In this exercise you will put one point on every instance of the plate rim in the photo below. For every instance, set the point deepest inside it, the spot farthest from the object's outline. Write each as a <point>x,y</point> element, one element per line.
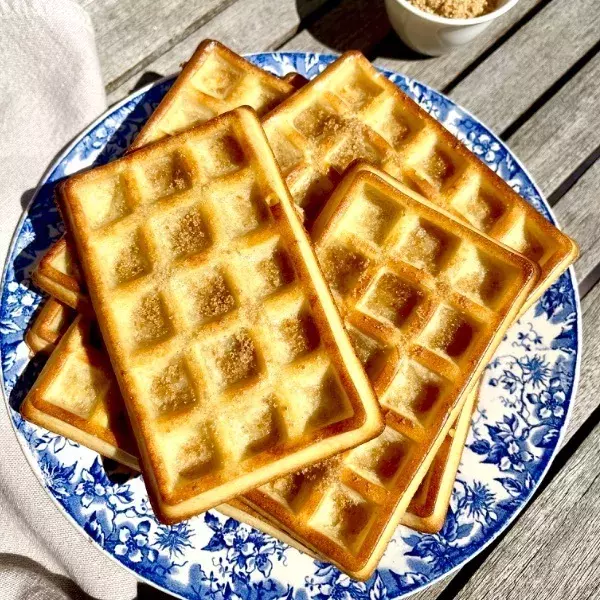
<point>320,56</point>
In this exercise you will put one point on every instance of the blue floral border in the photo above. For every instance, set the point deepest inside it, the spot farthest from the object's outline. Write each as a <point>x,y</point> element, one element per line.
<point>527,396</point>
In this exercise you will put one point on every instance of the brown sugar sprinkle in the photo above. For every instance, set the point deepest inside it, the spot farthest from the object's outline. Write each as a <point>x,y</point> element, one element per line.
<point>456,9</point>
<point>172,390</point>
<point>237,358</point>
<point>130,263</point>
<point>301,334</point>
<point>214,298</point>
<point>150,322</point>
<point>188,235</point>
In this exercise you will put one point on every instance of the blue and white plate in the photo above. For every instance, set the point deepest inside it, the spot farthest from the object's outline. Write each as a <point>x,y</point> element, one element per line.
<point>525,402</point>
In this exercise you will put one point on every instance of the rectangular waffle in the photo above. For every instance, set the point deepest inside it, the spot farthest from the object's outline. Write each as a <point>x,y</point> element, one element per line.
<point>352,111</point>
<point>214,80</point>
<point>426,299</point>
<point>48,327</point>
<point>232,359</point>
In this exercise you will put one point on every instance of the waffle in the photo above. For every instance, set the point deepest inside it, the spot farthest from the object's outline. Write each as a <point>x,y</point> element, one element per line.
<point>428,508</point>
<point>352,111</point>
<point>105,428</point>
<point>426,299</point>
<point>231,356</point>
<point>48,327</point>
<point>76,395</point>
<point>213,81</point>
<point>59,275</point>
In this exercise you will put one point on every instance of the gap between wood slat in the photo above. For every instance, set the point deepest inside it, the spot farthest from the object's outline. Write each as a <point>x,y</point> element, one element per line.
<point>496,44</point>
<point>264,27</point>
<point>550,92</point>
<point>162,48</point>
<point>570,181</point>
<point>561,136</point>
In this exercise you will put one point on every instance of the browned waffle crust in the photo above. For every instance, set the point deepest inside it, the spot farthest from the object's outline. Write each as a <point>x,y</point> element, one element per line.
<point>50,324</point>
<point>352,111</point>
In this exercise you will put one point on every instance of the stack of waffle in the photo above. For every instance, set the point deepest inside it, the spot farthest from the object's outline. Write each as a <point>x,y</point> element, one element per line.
<point>281,304</point>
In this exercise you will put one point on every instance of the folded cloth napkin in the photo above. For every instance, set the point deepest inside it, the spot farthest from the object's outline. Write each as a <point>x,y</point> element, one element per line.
<point>50,89</point>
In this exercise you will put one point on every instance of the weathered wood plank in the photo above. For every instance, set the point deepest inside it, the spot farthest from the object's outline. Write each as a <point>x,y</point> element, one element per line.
<point>578,213</point>
<point>130,33</point>
<point>351,25</point>
<point>506,84</point>
<point>511,82</point>
<point>553,552</point>
<point>246,26</point>
<point>566,130</point>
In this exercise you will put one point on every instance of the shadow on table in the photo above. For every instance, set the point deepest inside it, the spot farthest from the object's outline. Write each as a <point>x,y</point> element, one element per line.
<point>147,592</point>
<point>355,25</point>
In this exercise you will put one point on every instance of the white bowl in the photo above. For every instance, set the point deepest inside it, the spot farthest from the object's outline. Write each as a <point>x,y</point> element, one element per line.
<point>433,35</point>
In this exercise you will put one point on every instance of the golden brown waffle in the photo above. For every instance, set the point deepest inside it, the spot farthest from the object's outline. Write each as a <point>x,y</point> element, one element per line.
<point>48,327</point>
<point>231,356</point>
<point>69,286</point>
<point>76,395</point>
<point>215,80</point>
<point>59,275</point>
<point>352,111</point>
<point>426,300</point>
<point>428,508</point>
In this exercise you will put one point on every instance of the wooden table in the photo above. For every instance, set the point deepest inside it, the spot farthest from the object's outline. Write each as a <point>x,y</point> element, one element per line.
<point>533,77</point>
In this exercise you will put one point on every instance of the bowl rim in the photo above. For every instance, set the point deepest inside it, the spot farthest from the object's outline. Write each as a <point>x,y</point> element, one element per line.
<point>433,18</point>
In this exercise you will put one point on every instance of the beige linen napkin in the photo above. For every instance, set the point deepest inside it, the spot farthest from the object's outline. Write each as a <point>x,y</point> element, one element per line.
<point>50,89</point>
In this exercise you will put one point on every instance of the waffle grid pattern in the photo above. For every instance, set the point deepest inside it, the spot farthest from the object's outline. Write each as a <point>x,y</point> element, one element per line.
<point>214,80</point>
<point>351,112</point>
<point>425,299</point>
